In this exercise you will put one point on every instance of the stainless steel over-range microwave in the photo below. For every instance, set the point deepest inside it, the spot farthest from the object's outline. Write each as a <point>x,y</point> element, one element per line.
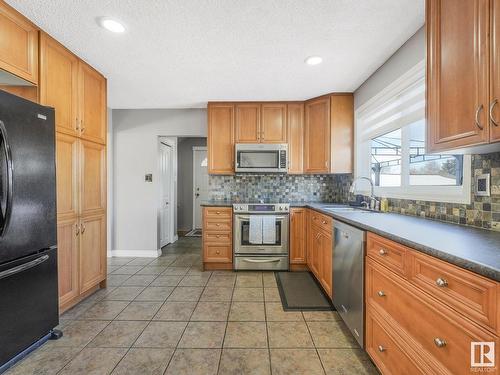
<point>257,157</point>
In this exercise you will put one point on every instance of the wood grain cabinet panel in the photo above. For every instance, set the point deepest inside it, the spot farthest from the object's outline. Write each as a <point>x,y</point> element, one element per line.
<point>457,73</point>
<point>92,258</point>
<point>217,253</point>
<point>295,120</point>
<point>495,72</point>
<point>18,44</point>
<point>68,232</point>
<point>317,136</point>
<point>326,255</point>
<point>92,177</point>
<point>273,128</point>
<point>342,133</point>
<point>247,123</point>
<point>298,230</point>
<point>217,237</point>
<point>92,99</point>
<point>389,253</point>
<point>220,138</point>
<point>59,84</point>
<point>67,175</point>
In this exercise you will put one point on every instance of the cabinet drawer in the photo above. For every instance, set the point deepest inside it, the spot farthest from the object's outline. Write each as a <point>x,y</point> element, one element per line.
<point>441,332</point>
<point>217,253</point>
<point>218,225</point>
<point>218,212</point>
<point>470,294</point>
<point>322,221</point>
<point>389,253</point>
<point>217,237</point>
<point>385,351</point>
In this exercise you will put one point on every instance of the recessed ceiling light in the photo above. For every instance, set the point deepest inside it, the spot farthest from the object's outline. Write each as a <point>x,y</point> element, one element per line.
<point>111,25</point>
<point>314,60</point>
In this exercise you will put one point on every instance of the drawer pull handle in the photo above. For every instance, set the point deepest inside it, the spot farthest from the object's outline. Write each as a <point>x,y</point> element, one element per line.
<point>440,282</point>
<point>381,348</point>
<point>440,343</point>
<point>382,252</point>
<point>381,293</point>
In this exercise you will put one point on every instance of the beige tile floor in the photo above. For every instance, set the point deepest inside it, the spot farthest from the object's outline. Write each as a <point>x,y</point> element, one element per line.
<point>166,316</point>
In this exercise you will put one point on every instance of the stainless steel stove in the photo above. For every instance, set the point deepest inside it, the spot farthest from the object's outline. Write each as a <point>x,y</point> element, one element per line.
<point>260,256</point>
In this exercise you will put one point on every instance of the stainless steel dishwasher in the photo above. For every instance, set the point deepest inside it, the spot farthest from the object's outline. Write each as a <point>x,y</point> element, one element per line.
<point>348,277</point>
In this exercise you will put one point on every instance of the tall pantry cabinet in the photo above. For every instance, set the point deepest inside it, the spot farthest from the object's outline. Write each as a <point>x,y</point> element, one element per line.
<point>78,94</point>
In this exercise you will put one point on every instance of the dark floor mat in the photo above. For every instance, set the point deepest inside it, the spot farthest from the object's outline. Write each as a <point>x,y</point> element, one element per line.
<point>300,291</point>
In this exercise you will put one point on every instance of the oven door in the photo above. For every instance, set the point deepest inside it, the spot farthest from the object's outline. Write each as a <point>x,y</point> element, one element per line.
<point>242,244</point>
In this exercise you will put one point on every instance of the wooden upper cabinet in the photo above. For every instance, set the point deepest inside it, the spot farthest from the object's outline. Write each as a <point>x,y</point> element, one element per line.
<point>92,178</point>
<point>295,119</point>
<point>342,133</point>
<point>59,83</point>
<point>317,136</point>
<point>220,138</point>
<point>247,123</point>
<point>92,260</point>
<point>18,44</point>
<point>495,72</point>
<point>457,73</point>
<point>298,230</point>
<point>67,156</point>
<point>273,127</point>
<point>92,98</point>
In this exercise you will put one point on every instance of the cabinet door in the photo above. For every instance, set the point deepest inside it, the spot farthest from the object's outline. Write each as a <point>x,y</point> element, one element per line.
<point>68,232</point>
<point>326,263</point>
<point>342,133</point>
<point>273,125</point>
<point>59,83</point>
<point>67,175</point>
<point>298,231</point>
<point>248,123</point>
<point>92,251</point>
<point>92,177</point>
<point>457,73</point>
<point>317,136</point>
<point>295,119</point>
<point>92,99</point>
<point>220,139</point>
<point>18,44</point>
<point>495,72</point>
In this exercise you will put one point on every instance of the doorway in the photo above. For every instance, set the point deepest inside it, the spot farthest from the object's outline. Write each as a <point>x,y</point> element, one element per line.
<point>166,192</point>
<point>200,184</point>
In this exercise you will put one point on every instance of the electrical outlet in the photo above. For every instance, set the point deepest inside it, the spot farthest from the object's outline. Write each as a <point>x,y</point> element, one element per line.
<point>482,185</point>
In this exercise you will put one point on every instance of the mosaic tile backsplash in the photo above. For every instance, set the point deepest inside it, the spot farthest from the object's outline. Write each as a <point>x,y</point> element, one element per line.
<point>280,188</point>
<point>483,212</point>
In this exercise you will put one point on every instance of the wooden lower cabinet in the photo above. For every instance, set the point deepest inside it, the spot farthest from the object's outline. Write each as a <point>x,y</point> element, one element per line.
<point>67,259</point>
<point>425,315</point>
<point>92,257</point>
<point>217,238</point>
<point>298,236</point>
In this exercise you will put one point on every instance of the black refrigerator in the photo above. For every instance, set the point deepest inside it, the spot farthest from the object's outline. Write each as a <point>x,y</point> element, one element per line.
<point>28,239</point>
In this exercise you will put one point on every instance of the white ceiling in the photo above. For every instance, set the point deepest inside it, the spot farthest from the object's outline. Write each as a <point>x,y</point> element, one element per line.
<point>183,53</point>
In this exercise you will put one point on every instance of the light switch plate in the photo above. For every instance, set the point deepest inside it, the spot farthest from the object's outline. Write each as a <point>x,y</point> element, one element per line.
<point>482,185</point>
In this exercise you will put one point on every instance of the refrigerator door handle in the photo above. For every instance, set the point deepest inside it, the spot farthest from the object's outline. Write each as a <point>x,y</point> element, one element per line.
<point>8,202</point>
<point>23,267</point>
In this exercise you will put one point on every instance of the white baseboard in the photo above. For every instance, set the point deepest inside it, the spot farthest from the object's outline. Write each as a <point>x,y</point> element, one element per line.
<point>135,253</point>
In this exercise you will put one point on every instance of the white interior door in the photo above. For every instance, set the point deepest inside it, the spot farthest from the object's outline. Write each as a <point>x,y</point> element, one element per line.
<point>200,183</point>
<point>166,193</point>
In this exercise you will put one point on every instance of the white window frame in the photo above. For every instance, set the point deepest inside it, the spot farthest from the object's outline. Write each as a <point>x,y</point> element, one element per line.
<point>363,135</point>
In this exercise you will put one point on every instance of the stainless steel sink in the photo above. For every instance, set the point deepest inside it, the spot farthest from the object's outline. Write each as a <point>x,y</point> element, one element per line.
<point>348,209</point>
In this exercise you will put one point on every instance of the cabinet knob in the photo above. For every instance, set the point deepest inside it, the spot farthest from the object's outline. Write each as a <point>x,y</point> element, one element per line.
<point>218,236</point>
<point>440,282</point>
<point>382,252</point>
<point>440,343</point>
<point>381,293</point>
<point>217,225</point>
<point>323,221</point>
<point>217,252</point>
<point>218,212</point>
<point>381,348</point>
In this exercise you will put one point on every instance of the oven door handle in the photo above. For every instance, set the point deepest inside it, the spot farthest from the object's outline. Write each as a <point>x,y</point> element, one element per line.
<point>247,217</point>
<point>272,260</point>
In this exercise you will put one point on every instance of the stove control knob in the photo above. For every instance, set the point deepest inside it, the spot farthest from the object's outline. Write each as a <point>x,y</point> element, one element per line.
<point>286,208</point>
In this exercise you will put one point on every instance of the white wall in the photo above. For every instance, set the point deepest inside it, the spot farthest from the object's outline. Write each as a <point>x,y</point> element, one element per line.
<point>406,57</point>
<point>135,153</point>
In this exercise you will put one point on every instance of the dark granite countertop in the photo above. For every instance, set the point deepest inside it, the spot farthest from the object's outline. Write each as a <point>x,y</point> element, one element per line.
<point>477,250</point>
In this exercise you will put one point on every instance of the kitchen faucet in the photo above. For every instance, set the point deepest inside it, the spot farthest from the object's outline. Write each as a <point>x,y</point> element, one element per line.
<point>373,199</point>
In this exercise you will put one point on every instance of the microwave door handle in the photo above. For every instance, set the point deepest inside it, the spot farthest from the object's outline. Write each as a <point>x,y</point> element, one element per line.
<point>8,157</point>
